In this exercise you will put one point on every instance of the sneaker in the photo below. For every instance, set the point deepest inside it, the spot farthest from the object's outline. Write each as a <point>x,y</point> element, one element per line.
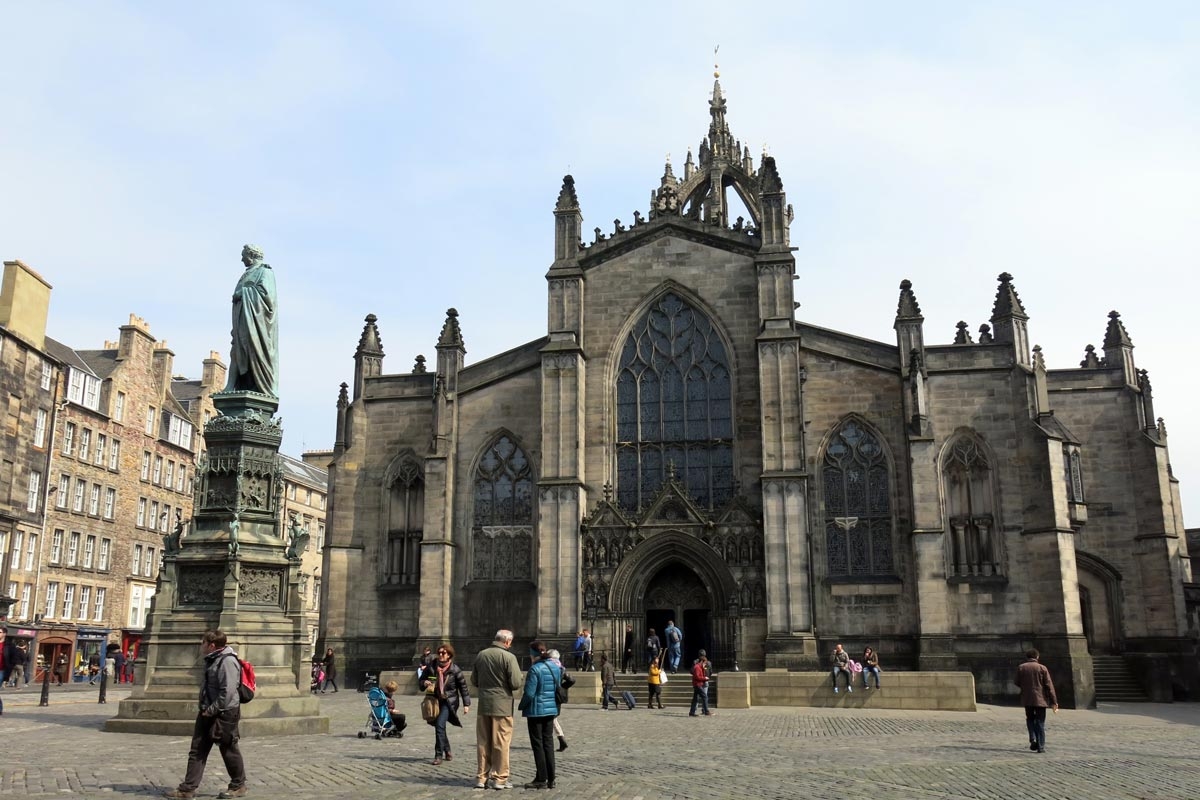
<point>495,784</point>
<point>238,792</point>
<point>835,690</point>
<point>179,794</point>
<point>1033,746</point>
<point>481,785</point>
<point>850,689</point>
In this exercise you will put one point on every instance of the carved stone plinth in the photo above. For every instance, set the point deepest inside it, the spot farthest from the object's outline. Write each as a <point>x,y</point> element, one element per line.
<point>232,573</point>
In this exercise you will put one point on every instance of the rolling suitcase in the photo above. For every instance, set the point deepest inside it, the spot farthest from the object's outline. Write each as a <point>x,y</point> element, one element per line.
<point>630,702</point>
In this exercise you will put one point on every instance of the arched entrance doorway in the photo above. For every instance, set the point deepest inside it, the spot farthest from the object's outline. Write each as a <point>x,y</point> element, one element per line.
<point>676,594</point>
<point>1099,603</point>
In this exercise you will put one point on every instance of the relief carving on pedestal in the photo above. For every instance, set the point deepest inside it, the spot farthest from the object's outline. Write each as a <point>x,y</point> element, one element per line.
<point>260,586</point>
<point>201,584</point>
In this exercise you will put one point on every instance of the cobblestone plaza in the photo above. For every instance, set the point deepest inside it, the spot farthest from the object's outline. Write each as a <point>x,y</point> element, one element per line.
<point>1117,751</point>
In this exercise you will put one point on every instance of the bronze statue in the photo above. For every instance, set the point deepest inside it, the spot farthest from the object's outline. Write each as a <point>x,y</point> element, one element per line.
<point>254,356</point>
<point>297,539</point>
<point>173,541</point>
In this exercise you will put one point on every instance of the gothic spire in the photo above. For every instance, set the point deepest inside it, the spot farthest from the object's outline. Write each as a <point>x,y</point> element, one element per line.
<point>369,343</point>
<point>451,334</point>
<point>908,307</point>
<point>1008,304</point>
<point>1116,335</point>
<point>567,199</point>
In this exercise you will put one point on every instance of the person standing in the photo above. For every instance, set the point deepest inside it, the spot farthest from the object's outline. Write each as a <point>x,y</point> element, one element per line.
<point>654,684</point>
<point>627,659</point>
<point>674,637</point>
<point>539,706</point>
<point>840,662</point>
<point>445,681</point>
<point>61,669</point>
<point>1037,694</point>
<point>15,660</point>
<point>217,722</point>
<point>496,675</point>
<point>330,662</point>
<point>118,662</point>
<point>700,685</point>
<point>608,682</point>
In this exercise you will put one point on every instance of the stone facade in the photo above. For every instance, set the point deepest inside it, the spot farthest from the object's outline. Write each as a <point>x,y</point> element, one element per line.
<point>680,446</point>
<point>305,489</point>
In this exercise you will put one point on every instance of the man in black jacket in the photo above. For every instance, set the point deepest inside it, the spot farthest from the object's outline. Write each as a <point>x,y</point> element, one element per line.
<point>217,723</point>
<point>627,659</point>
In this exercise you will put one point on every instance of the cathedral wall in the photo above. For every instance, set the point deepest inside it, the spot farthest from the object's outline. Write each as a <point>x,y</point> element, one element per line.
<point>614,291</point>
<point>868,611</point>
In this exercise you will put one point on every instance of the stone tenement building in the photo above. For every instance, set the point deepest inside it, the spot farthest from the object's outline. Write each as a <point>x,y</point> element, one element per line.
<point>680,446</point>
<point>305,490</point>
<point>113,449</point>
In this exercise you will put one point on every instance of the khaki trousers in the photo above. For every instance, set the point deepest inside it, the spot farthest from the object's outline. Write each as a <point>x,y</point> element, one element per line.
<point>493,738</point>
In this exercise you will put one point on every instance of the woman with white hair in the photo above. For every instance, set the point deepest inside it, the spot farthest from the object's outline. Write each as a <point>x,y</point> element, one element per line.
<point>554,657</point>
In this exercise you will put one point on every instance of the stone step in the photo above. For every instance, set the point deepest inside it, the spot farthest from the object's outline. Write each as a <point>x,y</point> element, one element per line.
<point>1114,681</point>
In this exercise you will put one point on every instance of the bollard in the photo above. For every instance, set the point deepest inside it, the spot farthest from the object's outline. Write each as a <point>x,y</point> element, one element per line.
<point>103,686</point>
<point>45,701</point>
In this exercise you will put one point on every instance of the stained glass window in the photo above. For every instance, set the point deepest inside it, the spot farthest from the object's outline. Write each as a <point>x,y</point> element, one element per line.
<point>503,524</point>
<point>674,407</point>
<point>858,514</point>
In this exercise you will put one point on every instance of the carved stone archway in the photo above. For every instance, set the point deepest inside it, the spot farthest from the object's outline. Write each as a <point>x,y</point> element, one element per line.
<point>640,566</point>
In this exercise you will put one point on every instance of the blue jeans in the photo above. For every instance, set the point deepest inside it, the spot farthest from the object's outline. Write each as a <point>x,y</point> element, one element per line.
<point>699,695</point>
<point>441,742</point>
<point>867,670</point>
<point>606,697</point>
<point>1035,720</point>
<point>849,676</point>
<point>673,656</point>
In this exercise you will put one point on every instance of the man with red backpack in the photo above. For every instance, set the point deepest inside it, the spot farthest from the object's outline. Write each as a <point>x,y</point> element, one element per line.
<point>217,723</point>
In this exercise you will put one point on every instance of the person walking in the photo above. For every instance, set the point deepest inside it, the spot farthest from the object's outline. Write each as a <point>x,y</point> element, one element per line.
<point>1037,694</point>
<point>674,637</point>
<point>445,681</point>
<point>61,669</point>
<point>330,662</point>
<point>840,661</point>
<point>555,658</point>
<point>627,658</point>
<point>117,655</point>
<point>653,646</point>
<point>654,684</point>
<point>496,675</point>
<point>217,722</point>
<point>870,666</point>
<point>93,668</point>
<point>539,706</point>
<point>700,678</point>
<point>608,682</point>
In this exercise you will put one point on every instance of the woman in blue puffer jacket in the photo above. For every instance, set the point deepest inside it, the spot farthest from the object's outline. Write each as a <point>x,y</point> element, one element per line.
<point>539,707</point>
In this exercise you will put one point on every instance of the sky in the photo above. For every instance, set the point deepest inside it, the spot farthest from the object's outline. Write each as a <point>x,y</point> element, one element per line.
<point>400,159</point>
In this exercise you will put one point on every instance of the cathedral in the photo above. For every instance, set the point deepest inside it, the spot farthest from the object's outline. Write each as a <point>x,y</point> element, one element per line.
<point>679,446</point>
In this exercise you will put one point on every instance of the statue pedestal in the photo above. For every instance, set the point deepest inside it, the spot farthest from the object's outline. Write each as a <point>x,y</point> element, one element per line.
<point>231,573</point>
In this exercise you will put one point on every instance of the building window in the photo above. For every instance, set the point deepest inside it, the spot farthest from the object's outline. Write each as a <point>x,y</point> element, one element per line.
<point>105,550</point>
<point>150,421</point>
<point>47,374</point>
<point>30,552</point>
<point>35,490</point>
<point>158,467</point>
<point>69,601</point>
<point>321,501</point>
<point>152,522</point>
<point>94,500</point>
<point>26,600</point>
<point>141,512</point>
<point>85,597</point>
<point>110,502</point>
<point>674,407</point>
<point>179,432</point>
<point>73,549</point>
<point>114,455</point>
<point>145,465</point>
<point>99,615</point>
<point>164,519</point>
<point>83,389</point>
<point>69,439</point>
<point>179,479</point>
<point>80,493</point>
<point>56,543</point>
<point>308,497</point>
<point>39,428</point>
<point>18,540</point>
<point>973,547</point>
<point>89,551</point>
<point>85,444</point>
<point>101,446</point>
<point>135,565</point>
<point>291,491</point>
<point>64,491</point>
<point>406,518</point>
<point>148,565</point>
<point>119,407</point>
<point>139,604</point>
<point>170,477</point>
<point>1073,463</point>
<point>502,529</point>
<point>14,414</point>
<point>51,599</point>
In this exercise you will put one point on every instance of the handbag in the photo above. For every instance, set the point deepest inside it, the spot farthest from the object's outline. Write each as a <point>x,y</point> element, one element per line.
<point>430,708</point>
<point>855,666</point>
<point>560,690</point>
<point>662,678</point>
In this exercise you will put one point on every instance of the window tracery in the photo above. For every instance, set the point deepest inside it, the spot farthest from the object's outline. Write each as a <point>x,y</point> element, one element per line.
<point>502,530</point>
<point>858,516</point>
<point>970,508</point>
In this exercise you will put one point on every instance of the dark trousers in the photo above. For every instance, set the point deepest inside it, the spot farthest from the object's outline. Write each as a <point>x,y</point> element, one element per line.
<point>654,693</point>
<point>330,680</point>
<point>441,741</point>
<point>627,662</point>
<point>1035,720</point>
<point>699,697</point>
<point>223,732</point>
<point>541,739</point>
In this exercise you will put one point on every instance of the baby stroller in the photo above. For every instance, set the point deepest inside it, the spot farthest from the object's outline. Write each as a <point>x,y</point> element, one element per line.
<point>318,676</point>
<point>380,722</point>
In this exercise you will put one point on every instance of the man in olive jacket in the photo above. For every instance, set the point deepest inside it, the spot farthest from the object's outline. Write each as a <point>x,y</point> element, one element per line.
<point>1037,694</point>
<point>496,675</point>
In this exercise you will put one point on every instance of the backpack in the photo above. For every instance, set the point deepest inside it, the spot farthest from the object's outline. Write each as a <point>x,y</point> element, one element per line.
<point>247,686</point>
<point>675,637</point>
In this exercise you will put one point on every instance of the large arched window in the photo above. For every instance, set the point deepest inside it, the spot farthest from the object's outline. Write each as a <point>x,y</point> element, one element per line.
<point>973,549</point>
<point>674,407</point>
<point>858,511</point>
<point>406,521</point>
<point>503,520</point>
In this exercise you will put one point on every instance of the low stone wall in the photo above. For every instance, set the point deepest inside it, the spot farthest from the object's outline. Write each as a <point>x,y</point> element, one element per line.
<point>930,691</point>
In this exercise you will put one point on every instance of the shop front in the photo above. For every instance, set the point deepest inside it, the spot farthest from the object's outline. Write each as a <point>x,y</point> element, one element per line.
<point>56,652</point>
<point>90,642</point>
<point>23,638</point>
<point>131,645</point>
